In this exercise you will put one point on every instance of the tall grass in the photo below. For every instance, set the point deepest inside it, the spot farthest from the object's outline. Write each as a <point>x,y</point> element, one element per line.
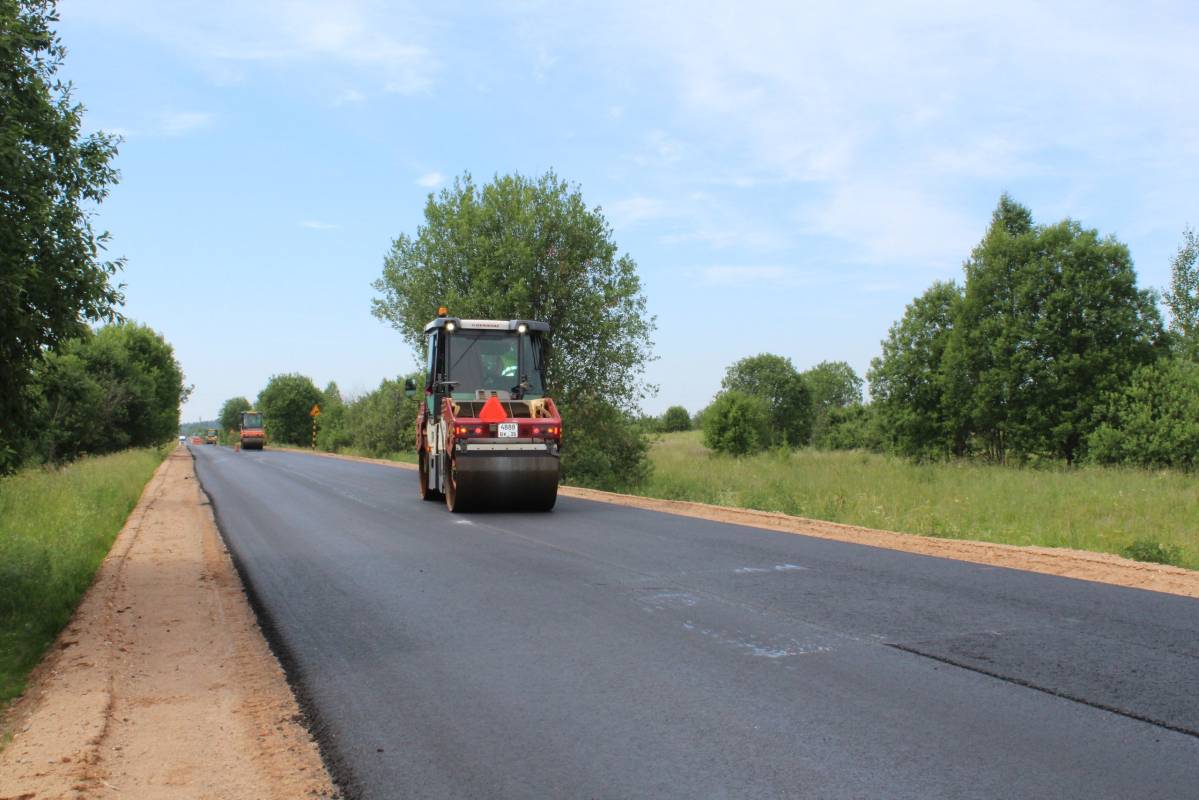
<point>55,529</point>
<point>1111,510</point>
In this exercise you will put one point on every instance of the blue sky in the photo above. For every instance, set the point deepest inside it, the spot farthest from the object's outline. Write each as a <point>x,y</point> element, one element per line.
<point>787,176</point>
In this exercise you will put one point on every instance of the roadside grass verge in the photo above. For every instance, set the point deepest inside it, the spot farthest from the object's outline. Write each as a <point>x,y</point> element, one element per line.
<point>402,457</point>
<point>1149,515</point>
<point>56,526</point>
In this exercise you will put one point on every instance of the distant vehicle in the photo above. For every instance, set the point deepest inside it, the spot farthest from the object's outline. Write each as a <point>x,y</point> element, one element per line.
<point>253,435</point>
<point>210,436</point>
<point>182,439</point>
<point>197,439</point>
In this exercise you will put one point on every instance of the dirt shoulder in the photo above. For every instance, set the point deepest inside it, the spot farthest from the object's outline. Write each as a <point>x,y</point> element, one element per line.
<point>1081,564</point>
<point>162,684</point>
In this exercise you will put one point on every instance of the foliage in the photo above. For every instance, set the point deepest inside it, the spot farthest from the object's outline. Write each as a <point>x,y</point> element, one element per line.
<point>119,387</point>
<point>1153,421</point>
<point>521,248</point>
<point>775,380</point>
<point>55,528</point>
<point>676,419</point>
<point>738,423</point>
<point>854,427</point>
<point>1103,509</point>
<point>229,419</point>
<point>285,403</point>
<point>1155,552</point>
<point>332,434</point>
<point>833,385</point>
<point>52,275</point>
<point>383,421</point>
<point>1183,297</point>
<point>906,380</point>
<point>1050,321</point>
<point>601,447</point>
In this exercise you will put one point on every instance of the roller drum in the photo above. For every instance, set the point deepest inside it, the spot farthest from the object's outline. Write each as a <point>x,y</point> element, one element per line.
<point>491,481</point>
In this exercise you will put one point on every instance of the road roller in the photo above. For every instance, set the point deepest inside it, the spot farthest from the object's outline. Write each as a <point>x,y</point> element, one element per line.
<point>252,435</point>
<point>487,436</point>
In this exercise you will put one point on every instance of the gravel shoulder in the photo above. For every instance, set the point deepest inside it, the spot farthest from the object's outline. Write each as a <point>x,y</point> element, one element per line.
<point>1080,564</point>
<point>162,685</point>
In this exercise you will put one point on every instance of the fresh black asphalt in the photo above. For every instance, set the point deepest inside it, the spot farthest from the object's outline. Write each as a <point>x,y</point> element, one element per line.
<point>600,651</point>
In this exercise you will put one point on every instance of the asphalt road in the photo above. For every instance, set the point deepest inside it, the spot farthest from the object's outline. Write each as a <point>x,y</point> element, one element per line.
<point>609,652</point>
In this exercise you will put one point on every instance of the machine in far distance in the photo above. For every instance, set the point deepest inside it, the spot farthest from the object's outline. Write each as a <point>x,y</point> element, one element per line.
<point>487,437</point>
<point>211,436</point>
<point>252,435</point>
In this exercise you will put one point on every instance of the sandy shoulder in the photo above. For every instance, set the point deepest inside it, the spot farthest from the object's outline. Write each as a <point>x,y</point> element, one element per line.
<point>1080,564</point>
<point>162,684</point>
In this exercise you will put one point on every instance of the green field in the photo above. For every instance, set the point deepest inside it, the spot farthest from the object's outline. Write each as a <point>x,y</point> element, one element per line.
<point>1099,509</point>
<point>55,529</point>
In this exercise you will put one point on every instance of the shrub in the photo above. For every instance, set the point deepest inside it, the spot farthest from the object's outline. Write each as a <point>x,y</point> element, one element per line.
<point>676,419</point>
<point>602,446</point>
<point>1155,552</point>
<point>737,424</point>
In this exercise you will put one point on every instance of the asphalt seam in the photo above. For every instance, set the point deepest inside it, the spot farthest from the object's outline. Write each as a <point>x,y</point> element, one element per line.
<point>1052,692</point>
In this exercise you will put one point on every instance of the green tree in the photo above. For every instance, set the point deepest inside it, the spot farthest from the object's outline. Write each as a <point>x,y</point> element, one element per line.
<point>675,419</point>
<point>1153,421</point>
<point>1183,297</point>
<point>833,385</point>
<point>128,382</point>
<point>775,380</point>
<point>907,383</point>
<point>854,427</point>
<point>332,433</point>
<point>285,403</point>
<point>1051,321</point>
<point>382,421</point>
<point>738,423</point>
<point>52,275</point>
<point>531,249</point>
<point>603,447</point>
<point>230,416</point>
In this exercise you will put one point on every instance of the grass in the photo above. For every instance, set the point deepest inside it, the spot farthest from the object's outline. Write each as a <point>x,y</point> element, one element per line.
<point>1137,513</point>
<point>56,526</point>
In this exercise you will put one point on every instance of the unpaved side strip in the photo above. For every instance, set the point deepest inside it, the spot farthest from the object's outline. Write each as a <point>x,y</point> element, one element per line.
<point>162,685</point>
<point>1080,564</point>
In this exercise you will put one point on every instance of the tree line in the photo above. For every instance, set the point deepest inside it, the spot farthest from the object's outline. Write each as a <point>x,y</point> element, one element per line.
<point>65,388</point>
<point>1047,351</point>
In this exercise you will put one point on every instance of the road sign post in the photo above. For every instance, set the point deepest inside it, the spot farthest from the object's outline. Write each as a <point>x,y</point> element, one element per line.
<point>314,412</point>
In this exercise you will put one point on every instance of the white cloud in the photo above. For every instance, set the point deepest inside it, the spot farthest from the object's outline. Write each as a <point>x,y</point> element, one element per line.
<point>741,275</point>
<point>383,42</point>
<point>430,180</point>
<point>179,123</point>
<point>317,225</point>
<point>636,210</point>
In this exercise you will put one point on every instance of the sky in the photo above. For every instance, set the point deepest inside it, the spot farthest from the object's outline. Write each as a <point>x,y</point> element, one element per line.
<point>787,176</point>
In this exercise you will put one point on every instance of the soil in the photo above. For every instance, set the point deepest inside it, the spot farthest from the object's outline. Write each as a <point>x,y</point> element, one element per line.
<point>162,685</point>
<point>1081,564</point>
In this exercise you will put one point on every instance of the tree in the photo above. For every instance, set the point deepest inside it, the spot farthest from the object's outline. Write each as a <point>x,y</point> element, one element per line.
<point>1051,321</point>
<point>120,387</point>
<point>1153,421</point>
<point>1183,297</point>
<point>230,416</point>
<point>382,421</point>
<point>603,447</point>
<point>521,248</point>
<point>833,385</point>
<point>285,403</point>
<point>52,276</point>
<point>738,423</point>
<point>775,380</point>
<point>675,419</point>
<point>907,383</point>
<point>332,433</point>
<point>854,427</point>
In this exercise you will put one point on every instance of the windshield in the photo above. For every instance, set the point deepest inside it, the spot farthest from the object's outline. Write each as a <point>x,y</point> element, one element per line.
<point>488,360</point>
<point>251,420</point>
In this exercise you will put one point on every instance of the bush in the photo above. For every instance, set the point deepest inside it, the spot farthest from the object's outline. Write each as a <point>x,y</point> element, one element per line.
<point>285,403</point>
<point>602,446</point>
<point>851,428</point>
<point>676,419</point>
<point>1153,421</point>
<point>1154,552</point>
<point>788,400</point>
<point>383,421</point>
<point>737,424</point>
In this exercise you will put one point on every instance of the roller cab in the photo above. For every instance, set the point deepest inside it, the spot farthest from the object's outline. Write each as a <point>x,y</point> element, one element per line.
<point>488,437</point>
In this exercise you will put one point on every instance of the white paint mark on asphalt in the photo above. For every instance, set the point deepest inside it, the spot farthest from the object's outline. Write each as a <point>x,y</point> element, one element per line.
<point>463,522</point>
<point>756,648</point>
<point>775,568</point>
<point>670,600</point>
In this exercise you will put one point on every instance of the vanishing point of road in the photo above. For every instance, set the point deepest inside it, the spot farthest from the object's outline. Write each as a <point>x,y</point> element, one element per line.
<point>600,651</point>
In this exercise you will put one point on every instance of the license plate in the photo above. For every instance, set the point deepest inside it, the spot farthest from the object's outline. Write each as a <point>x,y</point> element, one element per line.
<point>507,430</point>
